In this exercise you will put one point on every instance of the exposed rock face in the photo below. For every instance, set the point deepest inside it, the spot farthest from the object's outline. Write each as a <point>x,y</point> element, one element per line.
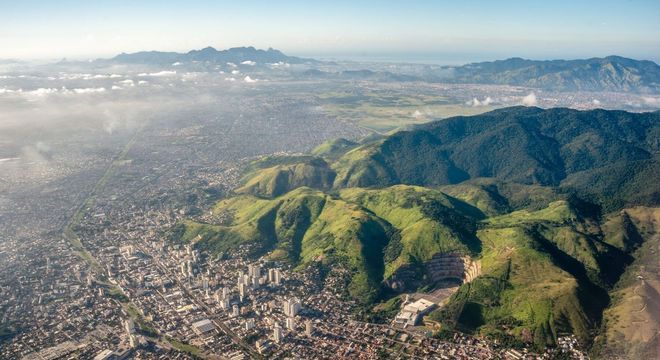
<point>442,267</point>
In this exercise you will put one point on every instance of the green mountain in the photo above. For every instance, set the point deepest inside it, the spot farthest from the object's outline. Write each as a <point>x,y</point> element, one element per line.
<point>612,73</point>
<point>515,205</point>
<point>520,145</point>
<point>370,232</point>
<point>605,157</point>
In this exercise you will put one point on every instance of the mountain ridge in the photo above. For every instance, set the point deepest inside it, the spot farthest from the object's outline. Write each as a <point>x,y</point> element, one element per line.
<point>610,73</point>
<point>235,55</point>
<point>520,144</point>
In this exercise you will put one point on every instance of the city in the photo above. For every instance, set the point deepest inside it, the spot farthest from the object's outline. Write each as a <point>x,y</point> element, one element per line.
<point>341,180</point>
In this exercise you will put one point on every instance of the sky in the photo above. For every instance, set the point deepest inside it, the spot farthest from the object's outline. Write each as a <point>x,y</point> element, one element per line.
<point>428,31</point>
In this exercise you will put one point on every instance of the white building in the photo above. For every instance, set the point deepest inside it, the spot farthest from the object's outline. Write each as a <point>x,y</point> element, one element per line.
<point>203,327</point>
<point>291,307</point>
<point>254,271</point>
<point>224,303</point>
<point>291,323</point>
<point>103,355</point>
<point>309,328</point>
<point>274,276</point>
<point>412,313</point>
<point>277,334</point>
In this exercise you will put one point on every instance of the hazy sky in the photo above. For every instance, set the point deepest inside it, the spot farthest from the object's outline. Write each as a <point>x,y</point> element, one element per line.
<point>442,30</point>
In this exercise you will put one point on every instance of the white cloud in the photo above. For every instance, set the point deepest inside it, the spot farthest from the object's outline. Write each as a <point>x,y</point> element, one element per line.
<point>88,90</point>
<point>176,64</point>
<point>231,64</point>
<point>99,76</point>
<point>417,114</point>
<point>143,82</point>
<point>75,76</point>
<point>529,100</point>
<point>230,79</point>
<point>42,147</point>
<point>49,91</point>
<point>249,62</point>
<point>476,102</point>
<point>42,91</point>
<point>127,82</point>
<point>652,101</point>
<point>248,79</point>
<point>235,72</point>
<point>9,91</point>
<point>115,87</point>
<point>279,64</point>
<point>191,75</point>
<point>596,102</point>
<point>86,76</point>
<point>160,73</point>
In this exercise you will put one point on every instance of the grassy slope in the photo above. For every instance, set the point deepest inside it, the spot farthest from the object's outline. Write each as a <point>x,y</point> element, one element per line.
<point>307,225</point>
<point>632,323</point>
<point>542,275</point>
<point>282,178</point>
<point>362,167</point>
<point>427,220</point>
<point>251,223</point>
<point>347,234</point>
<point>333,149</point>
<point>301,226</point>
<point>495,197</point>
<point>534,296</point>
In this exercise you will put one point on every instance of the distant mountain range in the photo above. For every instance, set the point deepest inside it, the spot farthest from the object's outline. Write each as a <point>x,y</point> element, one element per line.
<point>612,73</point>
<point>235,55</point>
